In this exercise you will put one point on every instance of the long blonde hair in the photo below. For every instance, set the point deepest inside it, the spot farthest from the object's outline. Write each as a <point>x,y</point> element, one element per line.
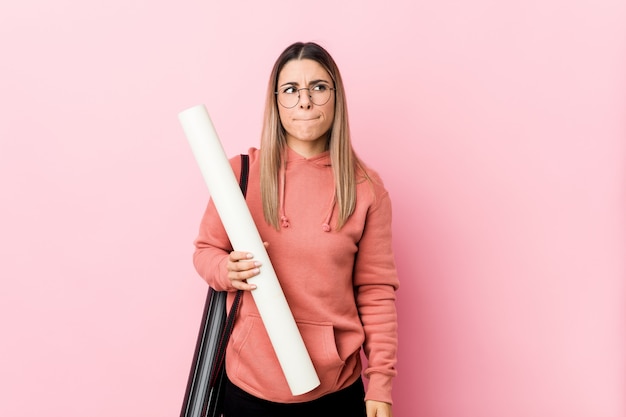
<point>345,163</point>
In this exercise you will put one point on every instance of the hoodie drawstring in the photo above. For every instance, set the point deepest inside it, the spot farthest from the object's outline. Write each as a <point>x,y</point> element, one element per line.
<point>326,225</point>
<point>284,221</point>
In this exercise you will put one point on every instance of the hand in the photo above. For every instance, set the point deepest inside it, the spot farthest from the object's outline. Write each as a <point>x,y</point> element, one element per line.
<point>240,267</point>
<point>377,409</point>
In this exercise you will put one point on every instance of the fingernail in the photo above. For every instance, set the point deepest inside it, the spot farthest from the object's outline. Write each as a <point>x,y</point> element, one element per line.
<point>252,287</point>
<point>257,263</point>
<point>255,270</point>
<point>249,256</point>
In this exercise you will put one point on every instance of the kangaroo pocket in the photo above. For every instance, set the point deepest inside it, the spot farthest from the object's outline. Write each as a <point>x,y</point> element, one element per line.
<point>257,366</point>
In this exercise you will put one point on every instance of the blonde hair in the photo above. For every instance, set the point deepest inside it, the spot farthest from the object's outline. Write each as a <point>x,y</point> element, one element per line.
<point>345,163</point>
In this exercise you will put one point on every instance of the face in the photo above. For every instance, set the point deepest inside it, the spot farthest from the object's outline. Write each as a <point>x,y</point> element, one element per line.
<point>306,124</point>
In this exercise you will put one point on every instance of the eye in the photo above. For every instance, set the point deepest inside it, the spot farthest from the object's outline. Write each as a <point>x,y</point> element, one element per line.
<point>290,89</point>
<point>320,87</point>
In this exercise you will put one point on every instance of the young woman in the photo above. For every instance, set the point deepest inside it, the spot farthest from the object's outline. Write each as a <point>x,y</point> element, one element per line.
<point>326,220</point>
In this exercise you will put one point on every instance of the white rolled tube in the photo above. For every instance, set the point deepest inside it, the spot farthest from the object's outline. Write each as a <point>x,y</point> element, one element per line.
<point>231,207</point>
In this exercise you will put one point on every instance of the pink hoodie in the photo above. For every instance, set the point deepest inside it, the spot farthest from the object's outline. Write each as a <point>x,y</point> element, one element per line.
<point>340,284</point>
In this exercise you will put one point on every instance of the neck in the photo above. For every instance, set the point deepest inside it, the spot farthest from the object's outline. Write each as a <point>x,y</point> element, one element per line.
<point>308,149</point>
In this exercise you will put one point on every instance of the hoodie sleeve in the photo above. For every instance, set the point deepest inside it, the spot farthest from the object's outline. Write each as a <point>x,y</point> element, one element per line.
<point>376,280</point>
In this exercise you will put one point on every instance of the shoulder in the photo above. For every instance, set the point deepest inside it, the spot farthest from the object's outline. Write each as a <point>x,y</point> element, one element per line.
<point>253,153</point>
<point>368,177</point>
<point>235,161</point>
<point>371,191</point>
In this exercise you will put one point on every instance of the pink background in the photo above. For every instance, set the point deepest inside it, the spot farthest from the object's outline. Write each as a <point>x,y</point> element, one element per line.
<point>499,128</point>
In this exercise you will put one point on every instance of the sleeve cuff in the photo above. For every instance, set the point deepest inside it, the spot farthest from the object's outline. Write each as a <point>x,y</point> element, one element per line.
<point>222,276</point>
<point>379,388</point>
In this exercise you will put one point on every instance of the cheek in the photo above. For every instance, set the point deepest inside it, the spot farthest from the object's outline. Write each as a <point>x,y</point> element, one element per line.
<point>282,116</point>
<point>329,111</point>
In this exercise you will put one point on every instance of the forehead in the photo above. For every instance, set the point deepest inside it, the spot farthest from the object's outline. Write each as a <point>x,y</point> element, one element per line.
<point>299,71</point>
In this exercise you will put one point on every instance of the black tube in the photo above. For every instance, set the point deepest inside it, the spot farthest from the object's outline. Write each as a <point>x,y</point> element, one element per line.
<point>198,392</point>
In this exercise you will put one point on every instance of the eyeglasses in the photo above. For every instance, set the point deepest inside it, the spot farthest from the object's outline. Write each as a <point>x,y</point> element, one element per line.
<point>289,96</point>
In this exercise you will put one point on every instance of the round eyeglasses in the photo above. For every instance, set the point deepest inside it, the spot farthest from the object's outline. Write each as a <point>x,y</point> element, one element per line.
<point>289,95</point>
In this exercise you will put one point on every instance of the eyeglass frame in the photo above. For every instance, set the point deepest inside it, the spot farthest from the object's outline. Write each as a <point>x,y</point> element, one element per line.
<point>310,98</point>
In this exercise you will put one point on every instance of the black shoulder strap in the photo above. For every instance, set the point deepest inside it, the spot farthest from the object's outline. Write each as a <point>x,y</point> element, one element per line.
<point>245,168</point>
<point>243,184</point>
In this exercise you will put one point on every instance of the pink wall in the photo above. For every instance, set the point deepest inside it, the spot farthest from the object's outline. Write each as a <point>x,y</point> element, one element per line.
<point>498,127</point>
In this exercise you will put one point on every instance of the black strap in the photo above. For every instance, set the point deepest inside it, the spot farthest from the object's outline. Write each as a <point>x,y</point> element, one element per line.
<point>243,179</point>
<point>232,314</point>
<point>243,184</point>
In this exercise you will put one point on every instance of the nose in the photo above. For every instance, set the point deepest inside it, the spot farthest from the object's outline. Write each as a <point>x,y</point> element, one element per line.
<point>305,98</point>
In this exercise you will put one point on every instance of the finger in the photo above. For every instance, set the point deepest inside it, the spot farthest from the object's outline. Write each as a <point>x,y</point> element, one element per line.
<point>242,266</point>
<point>236,256</point>
<point>243,270</point>
<point>243,285</point>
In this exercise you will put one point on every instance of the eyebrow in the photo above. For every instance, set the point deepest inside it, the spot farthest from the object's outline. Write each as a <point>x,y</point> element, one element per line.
<point>310,82</point>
